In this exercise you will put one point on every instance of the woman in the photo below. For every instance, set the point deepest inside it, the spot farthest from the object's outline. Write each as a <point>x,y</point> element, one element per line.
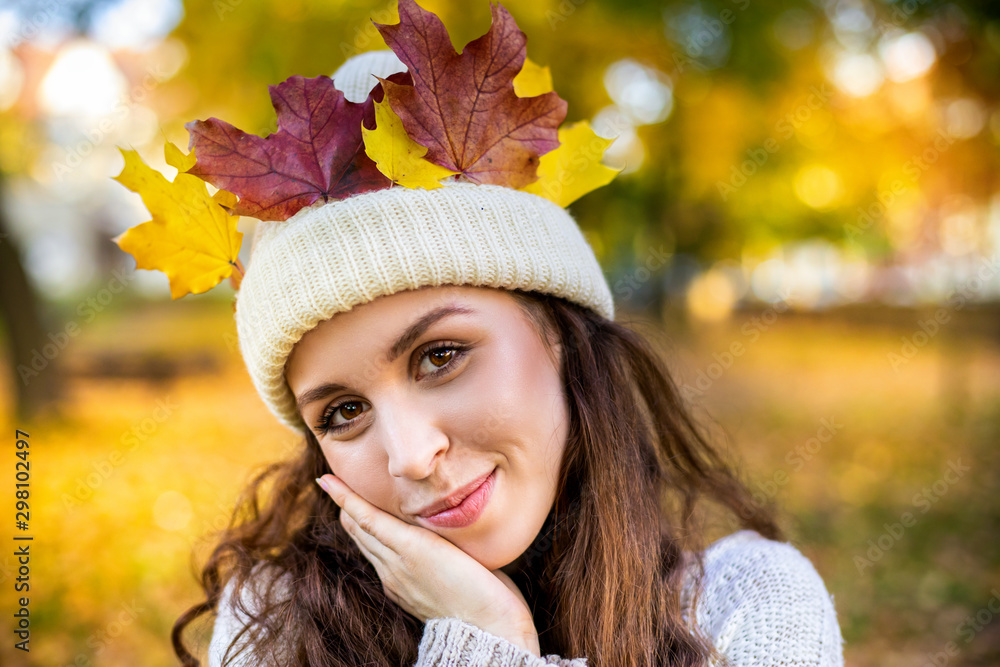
<point>507,473</point>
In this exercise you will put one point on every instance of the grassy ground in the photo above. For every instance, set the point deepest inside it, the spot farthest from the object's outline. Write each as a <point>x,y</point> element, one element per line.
<point>131,476</point>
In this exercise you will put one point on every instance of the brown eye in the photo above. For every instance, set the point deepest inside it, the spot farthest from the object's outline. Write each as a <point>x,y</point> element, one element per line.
<point>442,358</point>
<point>351,409</point>
<point>442,355</point>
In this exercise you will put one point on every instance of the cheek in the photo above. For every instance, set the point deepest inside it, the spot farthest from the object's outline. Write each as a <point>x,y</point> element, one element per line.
<point>545,414</point>
<point>516,406</point>
<point>363,471</point>
<point>485,409</point>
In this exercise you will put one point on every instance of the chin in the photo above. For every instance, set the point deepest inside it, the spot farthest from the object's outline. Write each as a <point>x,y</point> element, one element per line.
<point>493,560</point>
<point>498,550</point>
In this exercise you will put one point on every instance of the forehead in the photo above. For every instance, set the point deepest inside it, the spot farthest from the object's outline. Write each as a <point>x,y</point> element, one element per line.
<point>379,322</point>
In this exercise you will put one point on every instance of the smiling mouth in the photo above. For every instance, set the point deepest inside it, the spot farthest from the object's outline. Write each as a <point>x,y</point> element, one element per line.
<point>467,511</point>
<point>454,499</point>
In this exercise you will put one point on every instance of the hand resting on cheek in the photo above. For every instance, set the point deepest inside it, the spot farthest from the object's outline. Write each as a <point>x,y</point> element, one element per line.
<point>428,576</point>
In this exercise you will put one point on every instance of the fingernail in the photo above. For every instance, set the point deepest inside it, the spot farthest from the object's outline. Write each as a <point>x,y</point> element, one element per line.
<point>323,485</point>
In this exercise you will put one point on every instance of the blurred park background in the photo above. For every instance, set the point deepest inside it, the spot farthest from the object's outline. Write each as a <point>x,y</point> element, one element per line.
<point>807,222</point>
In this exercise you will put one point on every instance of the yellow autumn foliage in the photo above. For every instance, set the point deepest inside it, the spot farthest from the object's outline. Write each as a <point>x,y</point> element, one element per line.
<point>532,80</point>
<point>191,238</point>
<point>574,168</point>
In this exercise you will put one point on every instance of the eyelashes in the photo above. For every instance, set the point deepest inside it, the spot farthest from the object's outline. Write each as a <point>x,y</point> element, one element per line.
<point>325,424</point>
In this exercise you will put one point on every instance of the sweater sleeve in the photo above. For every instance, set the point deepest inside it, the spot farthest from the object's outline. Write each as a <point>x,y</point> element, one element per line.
<point>450,642</point>
<point>227,625</point>
<point>764,604</point>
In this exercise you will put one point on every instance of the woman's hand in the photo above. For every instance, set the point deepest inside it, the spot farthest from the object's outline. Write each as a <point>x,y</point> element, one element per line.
<point>430,577</point>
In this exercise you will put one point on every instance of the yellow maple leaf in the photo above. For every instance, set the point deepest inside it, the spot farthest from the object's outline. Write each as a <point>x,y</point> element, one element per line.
<point>181,162</point>
<point>397,156</point>
<point>191,238</point>
<point>532,80</point>
<point>574,168</point>
<point>177,159</point>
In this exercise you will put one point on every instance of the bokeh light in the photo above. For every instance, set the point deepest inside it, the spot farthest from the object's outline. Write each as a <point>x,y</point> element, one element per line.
<point>83,81</point>
<point>817,186</point>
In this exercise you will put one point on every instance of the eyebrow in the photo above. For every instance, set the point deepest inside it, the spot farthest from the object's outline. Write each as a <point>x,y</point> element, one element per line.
<point>405,340</point>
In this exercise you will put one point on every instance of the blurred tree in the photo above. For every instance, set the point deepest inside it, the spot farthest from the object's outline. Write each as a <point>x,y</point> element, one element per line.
<point>20,308</point>
<point>37,380</point>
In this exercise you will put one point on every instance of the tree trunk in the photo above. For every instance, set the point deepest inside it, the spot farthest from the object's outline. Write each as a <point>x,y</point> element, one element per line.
<point>35,377</point>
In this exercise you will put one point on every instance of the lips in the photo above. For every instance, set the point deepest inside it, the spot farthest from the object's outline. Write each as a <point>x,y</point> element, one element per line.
<point>455,499</point>
<point>468,511</point>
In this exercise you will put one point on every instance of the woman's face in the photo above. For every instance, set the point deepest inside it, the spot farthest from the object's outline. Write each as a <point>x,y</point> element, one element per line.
<point>415,395</point>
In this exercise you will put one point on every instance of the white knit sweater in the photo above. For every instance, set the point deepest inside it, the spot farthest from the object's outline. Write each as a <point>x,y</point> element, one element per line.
<point>763,604</point>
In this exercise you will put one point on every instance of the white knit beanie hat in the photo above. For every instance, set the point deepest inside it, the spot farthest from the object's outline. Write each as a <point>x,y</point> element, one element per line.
<point>330,257</point>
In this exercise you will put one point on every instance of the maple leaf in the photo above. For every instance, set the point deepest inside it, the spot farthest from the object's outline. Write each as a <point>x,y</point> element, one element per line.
<point>463,108</point>
<point>398,156</point>
<point>191,237</point>
<point>573,169</point>
<point>176,158</point>
<point>533,79</point>
<point>315,154</point>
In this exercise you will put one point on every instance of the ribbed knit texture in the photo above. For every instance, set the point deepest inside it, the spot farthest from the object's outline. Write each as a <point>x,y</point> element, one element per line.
<point>329,258</point>
<point>449,641</point>
<point>763,605</point>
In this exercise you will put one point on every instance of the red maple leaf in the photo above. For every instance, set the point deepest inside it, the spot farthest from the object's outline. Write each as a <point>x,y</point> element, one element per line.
<point>316,153</point>
<point>463,108</point>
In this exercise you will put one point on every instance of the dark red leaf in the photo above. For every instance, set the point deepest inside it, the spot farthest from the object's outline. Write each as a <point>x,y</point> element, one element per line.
<point>316,153</point>
<point>463,107</point>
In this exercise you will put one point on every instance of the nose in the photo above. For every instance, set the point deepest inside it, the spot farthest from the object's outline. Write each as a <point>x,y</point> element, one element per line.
<point>412,439</point>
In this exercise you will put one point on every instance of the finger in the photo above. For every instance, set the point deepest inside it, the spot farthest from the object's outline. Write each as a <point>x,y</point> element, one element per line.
<point>386,574</point>
<point>386,531</point>
<point>373,550</point>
